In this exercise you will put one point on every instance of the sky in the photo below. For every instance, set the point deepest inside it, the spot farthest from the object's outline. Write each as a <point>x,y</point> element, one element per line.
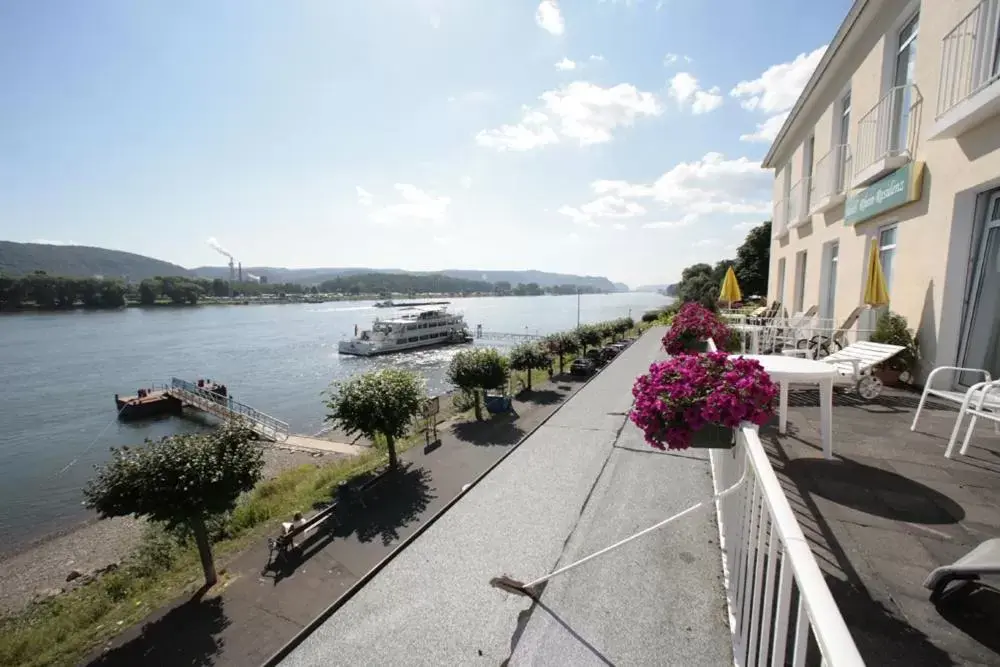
<point>619,138</point>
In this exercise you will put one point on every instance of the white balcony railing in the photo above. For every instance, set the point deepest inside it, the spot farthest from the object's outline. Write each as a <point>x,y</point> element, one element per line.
<point>765,559</point>
<point>969,61</point>
<point>829,181</point>
<point>887,134</point>
<point>779,221</point>
<point>798,203</point>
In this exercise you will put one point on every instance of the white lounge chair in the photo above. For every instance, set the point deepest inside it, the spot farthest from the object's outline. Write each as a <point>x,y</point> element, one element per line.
<point>855,363</point>
<point>980,399</point>
<point>984,560</point>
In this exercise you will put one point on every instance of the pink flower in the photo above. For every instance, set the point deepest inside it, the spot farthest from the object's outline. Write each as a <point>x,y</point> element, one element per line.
<point>678,397</point>
<point>693,324</point>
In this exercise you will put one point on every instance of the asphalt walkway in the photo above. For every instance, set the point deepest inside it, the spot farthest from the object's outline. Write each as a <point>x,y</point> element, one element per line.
<point>256,614</point>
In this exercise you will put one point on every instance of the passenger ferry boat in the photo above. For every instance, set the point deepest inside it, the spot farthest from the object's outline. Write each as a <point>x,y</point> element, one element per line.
<point>412,329</point>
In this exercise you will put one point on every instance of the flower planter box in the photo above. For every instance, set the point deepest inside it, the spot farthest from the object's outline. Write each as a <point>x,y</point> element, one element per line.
<point>697,347</point>
<point>713,437</point>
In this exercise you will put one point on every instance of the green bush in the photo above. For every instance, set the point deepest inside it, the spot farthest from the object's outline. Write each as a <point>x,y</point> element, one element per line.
<point>891,329</point>
<point>651,315</point>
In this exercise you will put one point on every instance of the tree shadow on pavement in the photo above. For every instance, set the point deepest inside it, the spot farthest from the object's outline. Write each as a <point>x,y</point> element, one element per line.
<point>186,635</point>
<point>392,504</point>
<point>541,396</point>
<point>500,430</point>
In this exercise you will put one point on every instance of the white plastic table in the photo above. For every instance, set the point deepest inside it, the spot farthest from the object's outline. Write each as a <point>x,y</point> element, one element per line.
<point>786,370</point>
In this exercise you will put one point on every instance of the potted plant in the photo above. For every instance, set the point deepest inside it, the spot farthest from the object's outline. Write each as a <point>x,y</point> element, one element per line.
<point>696,400</point>
<point>891,329</point>
<point>692,327</point>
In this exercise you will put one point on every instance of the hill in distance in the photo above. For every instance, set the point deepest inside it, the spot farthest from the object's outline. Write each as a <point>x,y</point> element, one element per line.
<point>81,262</point>
<point>85,261</point>
<point>318,275</point>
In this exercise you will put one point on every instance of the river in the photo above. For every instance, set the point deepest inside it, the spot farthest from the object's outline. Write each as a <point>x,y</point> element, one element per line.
<point>61,371</point>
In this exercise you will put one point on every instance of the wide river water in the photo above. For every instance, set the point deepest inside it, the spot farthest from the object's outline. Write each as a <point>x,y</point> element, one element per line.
<point>60,372</point>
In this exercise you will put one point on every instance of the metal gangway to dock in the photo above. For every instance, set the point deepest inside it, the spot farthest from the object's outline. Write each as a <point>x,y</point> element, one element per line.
<point>502,335</point>
<point>224,407</point>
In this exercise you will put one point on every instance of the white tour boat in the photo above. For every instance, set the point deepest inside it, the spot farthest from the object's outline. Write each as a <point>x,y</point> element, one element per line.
<point>413,328</point>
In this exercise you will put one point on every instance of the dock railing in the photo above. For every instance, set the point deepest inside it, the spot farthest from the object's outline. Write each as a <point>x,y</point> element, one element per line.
<point>780,608</point>
<point>227,408</point>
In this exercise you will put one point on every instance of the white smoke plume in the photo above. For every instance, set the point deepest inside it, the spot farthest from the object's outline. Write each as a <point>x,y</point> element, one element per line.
<point>218,247</point>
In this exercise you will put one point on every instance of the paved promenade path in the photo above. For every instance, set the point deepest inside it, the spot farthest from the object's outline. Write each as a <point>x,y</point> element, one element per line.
<point>255,615</point>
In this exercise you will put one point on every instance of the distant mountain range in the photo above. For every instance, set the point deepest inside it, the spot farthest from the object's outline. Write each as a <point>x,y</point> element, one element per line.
<point>81,262</point>
<point>669,290</point>
<point>316,276</point>
<point>86,261</point>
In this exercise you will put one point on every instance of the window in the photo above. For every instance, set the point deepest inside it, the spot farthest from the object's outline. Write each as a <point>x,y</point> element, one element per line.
<point>887,253</point>
<point>780,296</point>
<point>800,281</point>
<point>906,59</point>
<point>843,138</point>
<point>828,288</point>
<point>807,171</point>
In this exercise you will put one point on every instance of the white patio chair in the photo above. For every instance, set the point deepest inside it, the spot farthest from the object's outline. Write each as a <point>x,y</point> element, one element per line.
<point>855,363</point>
<point>956,397</point>
<point>980,400</point>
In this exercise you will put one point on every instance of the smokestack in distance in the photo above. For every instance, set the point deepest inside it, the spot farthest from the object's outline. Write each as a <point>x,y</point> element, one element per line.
<point>241,271</point>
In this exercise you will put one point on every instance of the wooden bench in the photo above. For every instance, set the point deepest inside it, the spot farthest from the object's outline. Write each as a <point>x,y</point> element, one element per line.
<point>347,496</point>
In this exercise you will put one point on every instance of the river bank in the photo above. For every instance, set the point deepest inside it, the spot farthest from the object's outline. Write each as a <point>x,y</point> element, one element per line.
<point>41,566</point>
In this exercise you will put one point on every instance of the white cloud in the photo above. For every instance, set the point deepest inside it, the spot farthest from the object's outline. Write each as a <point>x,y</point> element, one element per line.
<point>435,21</point>
<point>549,18</point>
<point>619,226</point>
<point>465,182</point>
<point>597,58</point>
<point>581,111</point>
<point>704,242</point>
<point>417,207</point>
<point>775,91</point>
<point>711,185</point>
<point>673,58</point>
<point>565,64</point>
<point>573,237</point>
<point>685,89</point>
<point>364,197</point>
<point>767,130</point>
<point>666,224</point>
<point>744,226</point>
<point>608,206</point>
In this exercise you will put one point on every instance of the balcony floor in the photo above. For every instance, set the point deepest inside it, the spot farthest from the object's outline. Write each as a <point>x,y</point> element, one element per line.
<point>888,510</point>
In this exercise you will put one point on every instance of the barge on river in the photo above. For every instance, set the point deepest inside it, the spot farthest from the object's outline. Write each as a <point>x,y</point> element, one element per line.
<point>158,400</point>
<point>412,329</point>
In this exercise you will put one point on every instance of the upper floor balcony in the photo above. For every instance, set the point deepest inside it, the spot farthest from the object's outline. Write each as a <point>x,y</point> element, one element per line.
<point>887,135</point>
<point>779,221</point>
<point>829,180</point>
<point>798,203</point>
<point>970,66</point>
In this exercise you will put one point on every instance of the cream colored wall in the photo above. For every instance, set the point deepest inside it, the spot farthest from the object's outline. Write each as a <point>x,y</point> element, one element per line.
<point>933,238</point>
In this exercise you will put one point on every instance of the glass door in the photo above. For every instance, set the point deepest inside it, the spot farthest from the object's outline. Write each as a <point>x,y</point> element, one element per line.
<point>906,59</point>
<point>829,298</point>
<point>982,348</point>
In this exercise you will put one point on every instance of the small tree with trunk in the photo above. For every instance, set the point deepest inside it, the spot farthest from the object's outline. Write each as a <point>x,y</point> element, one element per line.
<point>382,403</point>
<point>477,370</point>
<point>528,357</point>
<point>589,336</point>
<point>561,344</point>
<point>180,480</point>
<point>624,325</point>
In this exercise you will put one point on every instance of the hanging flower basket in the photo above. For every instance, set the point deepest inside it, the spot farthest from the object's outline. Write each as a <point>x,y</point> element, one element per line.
<point>692,327</point>
<point>697,400</point>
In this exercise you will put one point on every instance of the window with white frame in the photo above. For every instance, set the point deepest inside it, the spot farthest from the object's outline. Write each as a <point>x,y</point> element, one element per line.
<point>887,253</point>
<point>780,296</point>
<point>828,281</point>
<point>800,281</point>
<point>843,139</point>
<point>807,171</point>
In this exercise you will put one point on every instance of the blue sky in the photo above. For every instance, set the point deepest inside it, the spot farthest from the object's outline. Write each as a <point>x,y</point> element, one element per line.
<point>605,138</point>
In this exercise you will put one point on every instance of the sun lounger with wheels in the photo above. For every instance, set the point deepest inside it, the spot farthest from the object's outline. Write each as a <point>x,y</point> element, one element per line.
<point>856,362</point>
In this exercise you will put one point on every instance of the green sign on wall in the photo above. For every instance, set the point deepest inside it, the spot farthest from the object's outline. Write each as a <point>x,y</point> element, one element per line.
<point>900,187</point>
